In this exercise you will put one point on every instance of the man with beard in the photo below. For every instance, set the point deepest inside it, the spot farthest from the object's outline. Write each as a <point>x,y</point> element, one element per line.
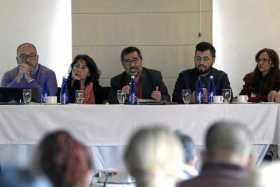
<point>204,59</point>
<point>149,83</point>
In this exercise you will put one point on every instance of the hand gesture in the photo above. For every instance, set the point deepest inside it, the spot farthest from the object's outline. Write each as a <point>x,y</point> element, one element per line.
<point>156,94</point>
<point>273,96</point>
<point>125,89</point>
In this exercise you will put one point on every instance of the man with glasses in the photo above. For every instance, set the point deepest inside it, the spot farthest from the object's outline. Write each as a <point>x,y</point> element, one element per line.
<point>204,59</point>
<point>29,73</point>
<point>149,83</point>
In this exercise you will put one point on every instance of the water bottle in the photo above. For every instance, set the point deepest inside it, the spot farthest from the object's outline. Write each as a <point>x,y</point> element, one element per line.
<point>198,91</point>
<point>211,89</point>
<point>64,92</point>
<point>44,93</point>
<point>132,92</point>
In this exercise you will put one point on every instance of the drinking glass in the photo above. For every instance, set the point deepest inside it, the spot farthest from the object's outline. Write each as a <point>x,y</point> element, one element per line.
<point>186,96</point>
<point>26,96</point>
<point>79,96</point>
<point>227,95</point>
<point>121,96</point>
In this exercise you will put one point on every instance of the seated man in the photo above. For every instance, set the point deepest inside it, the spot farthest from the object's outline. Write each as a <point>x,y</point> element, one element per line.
<point>227,158</point>
<point>204,59</point>
<point>149,83</point>
<point>30,74</point>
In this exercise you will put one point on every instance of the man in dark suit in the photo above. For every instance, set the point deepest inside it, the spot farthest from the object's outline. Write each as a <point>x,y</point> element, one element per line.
<point>149,83</point>
<point>204,59</point>
<point>227,158</point>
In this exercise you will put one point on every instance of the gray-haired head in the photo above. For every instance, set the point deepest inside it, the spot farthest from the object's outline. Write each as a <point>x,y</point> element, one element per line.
<point>227,138</point>
<point>154,156</point>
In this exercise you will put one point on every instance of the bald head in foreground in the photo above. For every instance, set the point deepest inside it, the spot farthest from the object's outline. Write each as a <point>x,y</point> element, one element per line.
<point>227,158</point>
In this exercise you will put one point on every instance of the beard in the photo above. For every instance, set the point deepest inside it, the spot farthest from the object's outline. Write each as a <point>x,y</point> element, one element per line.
<point>202,68</point>
<point>134,71</point>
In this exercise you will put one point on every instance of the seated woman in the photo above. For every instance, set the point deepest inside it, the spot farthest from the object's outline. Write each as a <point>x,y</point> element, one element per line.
<point>262,84</point>
<point>84,75</point>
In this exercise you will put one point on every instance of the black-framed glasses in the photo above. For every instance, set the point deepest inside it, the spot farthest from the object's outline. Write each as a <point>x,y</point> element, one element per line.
<point>130,61</point>
<point>200,59</point>
<point>24,57</point>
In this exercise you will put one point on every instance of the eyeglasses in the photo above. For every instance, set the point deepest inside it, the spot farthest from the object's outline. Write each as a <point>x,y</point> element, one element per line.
<point>79,66</point>
<point>130,61</point>
<point>262,60</point>
<point>200,59</point>
<point>24,57</point>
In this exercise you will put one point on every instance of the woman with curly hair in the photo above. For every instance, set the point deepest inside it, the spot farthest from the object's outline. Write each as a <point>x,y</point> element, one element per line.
<point>262,84</point>
<point>84,75</point>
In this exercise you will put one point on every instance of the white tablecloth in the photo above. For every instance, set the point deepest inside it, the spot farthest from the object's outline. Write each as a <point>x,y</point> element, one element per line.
<point>109,126</point>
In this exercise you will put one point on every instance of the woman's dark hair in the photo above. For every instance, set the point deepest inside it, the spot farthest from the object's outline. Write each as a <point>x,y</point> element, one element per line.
<point>63,159</point>
<point>270,77</point>
<point>92,67</point>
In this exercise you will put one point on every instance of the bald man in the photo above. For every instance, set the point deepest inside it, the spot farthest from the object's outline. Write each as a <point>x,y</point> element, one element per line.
<point>227,158</point>
<point>29,73</point>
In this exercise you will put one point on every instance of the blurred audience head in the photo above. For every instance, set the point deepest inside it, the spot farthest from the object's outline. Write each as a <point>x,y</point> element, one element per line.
<point>18,177</point>
<point>154,157</point>
<point>64,160</point>
<point>189,149</point>
<point>230,142</point>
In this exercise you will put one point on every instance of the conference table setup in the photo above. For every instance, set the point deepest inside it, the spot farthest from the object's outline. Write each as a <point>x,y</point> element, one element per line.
<point>105,129</point>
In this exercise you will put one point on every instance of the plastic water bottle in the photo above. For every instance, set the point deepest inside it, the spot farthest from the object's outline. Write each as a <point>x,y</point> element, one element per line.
<point>44,93</point>
<point>64,92</point>
<point>132,92</point>
<point>211,89</point>
<point>198,91</point>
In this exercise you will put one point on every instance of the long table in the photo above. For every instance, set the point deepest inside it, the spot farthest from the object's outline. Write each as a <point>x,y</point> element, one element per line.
<point>107,128</point>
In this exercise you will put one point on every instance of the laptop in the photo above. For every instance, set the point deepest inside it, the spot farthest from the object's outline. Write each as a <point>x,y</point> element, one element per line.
<point>10,95</point>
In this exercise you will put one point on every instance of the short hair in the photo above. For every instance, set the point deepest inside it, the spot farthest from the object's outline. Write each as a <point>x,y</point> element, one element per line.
<point>204,46</point>
<point>24,44</point>
<point>188,146</point>
<point>63,159</point>
<point>130,49</point>
<point>153,149</point>
<point>228,136</point>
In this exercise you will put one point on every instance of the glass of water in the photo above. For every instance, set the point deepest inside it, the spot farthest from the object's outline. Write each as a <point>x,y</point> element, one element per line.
<point>79,96</point>
<point>121,96</point>
<point>227,95</point>
<point>186,96</point>
<point>26,96</point>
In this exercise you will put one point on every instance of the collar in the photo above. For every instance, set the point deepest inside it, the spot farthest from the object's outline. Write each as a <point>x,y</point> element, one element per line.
<point>222,168</point>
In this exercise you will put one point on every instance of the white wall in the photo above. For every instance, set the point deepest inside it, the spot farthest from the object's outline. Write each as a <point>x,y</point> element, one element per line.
<point>46,23</point>
<point>165,30</point>
<point>240,29</point>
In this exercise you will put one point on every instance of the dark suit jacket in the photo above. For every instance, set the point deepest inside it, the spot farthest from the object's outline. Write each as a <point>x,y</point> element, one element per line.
<point>149,80</point>
<point>218,175</point>
<point>187,79</point>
